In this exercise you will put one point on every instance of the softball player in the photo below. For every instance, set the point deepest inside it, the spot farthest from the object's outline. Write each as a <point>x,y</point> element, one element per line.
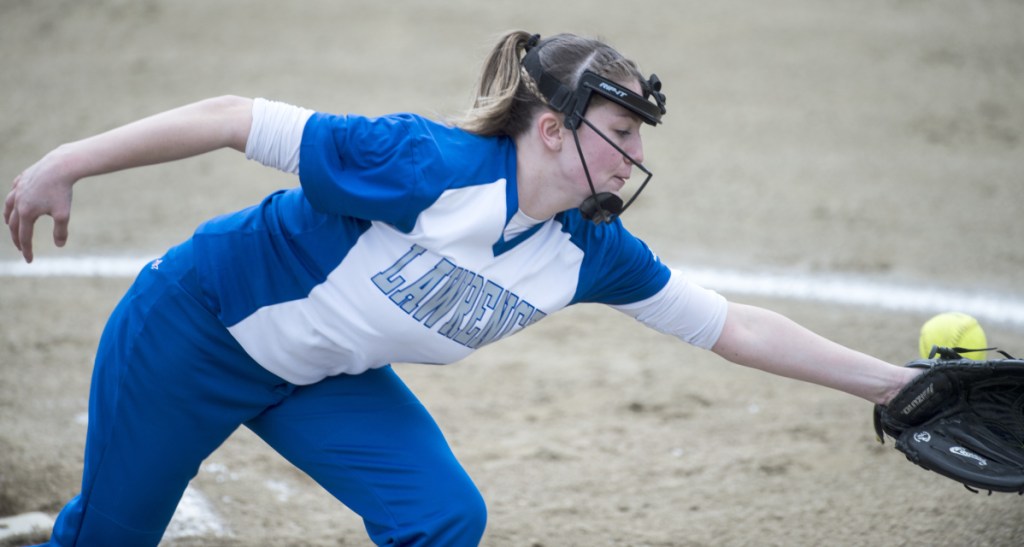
<point>407,240</point>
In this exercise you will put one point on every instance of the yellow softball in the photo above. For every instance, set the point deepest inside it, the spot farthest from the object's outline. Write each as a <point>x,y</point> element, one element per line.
<point>953,330</point>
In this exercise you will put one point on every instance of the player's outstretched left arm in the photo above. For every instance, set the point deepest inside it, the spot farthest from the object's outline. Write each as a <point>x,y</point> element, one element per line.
<point>768,341</point>
<point>45,188</point>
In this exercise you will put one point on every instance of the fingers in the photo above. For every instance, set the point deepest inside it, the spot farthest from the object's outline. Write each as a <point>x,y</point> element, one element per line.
<point>9,202</point>
<point>20,226</point>
<point>11,217</point>
<point>60,230</point>
<point>24,242</point>
<point>21,233</point>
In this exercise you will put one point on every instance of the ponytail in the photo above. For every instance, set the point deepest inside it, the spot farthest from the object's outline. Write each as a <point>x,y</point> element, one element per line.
<point>500,98</point>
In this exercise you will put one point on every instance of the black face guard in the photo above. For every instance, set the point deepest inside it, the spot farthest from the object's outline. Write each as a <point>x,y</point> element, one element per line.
<point>603,206</point>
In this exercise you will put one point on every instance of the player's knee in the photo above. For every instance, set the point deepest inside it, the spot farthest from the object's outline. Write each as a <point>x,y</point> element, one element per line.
<point>458,518</point>
<point>471,514</point>
<point>459,514</point>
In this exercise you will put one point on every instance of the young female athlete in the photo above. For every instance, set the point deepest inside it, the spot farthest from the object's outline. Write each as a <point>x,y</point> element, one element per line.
<point>407,240</point>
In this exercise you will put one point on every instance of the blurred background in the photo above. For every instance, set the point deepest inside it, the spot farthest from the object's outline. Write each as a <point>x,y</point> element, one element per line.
<point>879,141</point>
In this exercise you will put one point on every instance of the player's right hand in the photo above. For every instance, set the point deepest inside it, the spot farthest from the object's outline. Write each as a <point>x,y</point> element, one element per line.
<point>42,189</point>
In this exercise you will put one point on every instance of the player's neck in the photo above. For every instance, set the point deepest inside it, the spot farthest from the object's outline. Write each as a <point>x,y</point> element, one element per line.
<point>541,194</point>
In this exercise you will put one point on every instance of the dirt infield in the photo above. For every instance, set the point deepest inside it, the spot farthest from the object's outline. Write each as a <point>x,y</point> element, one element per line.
<point>880,140</point>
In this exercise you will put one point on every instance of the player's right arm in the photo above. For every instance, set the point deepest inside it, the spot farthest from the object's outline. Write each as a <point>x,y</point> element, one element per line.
<point>45,188</point>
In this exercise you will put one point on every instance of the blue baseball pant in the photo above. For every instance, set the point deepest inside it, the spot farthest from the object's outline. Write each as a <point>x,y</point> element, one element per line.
<point>170,384</point>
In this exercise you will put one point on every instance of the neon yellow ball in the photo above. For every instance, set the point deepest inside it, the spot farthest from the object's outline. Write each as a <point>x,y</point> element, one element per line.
<point>953,330</point>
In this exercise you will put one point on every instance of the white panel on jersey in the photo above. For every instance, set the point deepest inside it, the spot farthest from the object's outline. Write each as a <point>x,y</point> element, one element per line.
<point>415,297</point>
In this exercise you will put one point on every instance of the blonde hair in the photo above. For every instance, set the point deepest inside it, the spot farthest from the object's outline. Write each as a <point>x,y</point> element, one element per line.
<point>507,98</point>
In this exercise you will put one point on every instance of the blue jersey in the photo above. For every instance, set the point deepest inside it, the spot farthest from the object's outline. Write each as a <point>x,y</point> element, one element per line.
<point>394,249</point>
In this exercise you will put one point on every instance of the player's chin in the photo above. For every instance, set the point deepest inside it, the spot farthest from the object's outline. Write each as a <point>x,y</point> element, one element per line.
<point>616,184</point>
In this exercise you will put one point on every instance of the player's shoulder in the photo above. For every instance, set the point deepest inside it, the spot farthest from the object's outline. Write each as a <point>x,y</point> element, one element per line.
<point>617,267</point>
<point>609,241</point>
<point>436,149</point>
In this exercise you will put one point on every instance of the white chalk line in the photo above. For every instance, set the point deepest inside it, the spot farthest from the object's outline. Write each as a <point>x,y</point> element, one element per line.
<point>195,517</point>
<point>998,308</point>
<point>993,308</point>
<point>81,266</point>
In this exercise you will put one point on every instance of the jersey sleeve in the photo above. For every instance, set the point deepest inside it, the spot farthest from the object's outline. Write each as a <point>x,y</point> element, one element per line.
<point>370,168</point>
<point>276,134</point>
<point>682,309</point>
<point>618,268</point>
<point>621,270</point>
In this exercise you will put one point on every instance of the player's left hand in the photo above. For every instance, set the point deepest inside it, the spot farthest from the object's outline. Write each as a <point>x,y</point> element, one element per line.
<point>962,419</point>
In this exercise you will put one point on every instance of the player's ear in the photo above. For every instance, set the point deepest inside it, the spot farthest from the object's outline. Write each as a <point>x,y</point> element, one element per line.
<point>549,127</point>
